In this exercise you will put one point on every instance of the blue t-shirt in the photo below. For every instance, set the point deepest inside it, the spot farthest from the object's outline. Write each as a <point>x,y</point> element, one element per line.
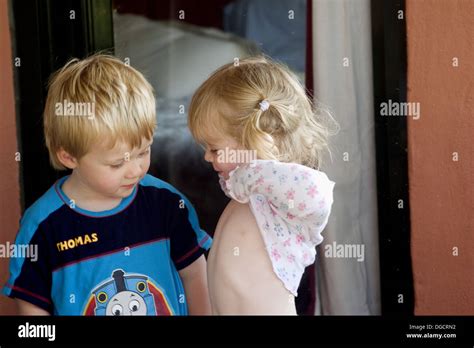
<point>123,261</point>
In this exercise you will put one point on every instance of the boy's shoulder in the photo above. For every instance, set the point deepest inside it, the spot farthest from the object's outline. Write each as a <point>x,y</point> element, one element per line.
<point>42,208</point>
<point>176,204</point>
<point>149,181</point>
<point>52,201</point>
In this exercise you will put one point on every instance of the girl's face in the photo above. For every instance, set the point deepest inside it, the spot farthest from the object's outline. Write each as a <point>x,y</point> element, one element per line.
<point>224,156</point>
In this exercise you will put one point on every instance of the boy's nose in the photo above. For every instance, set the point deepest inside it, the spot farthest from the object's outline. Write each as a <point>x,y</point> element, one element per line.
<point>135,170</point>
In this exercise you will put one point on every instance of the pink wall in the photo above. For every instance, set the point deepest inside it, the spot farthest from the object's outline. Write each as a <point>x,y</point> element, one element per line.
<point>9,175</point>
<point>441,190</point>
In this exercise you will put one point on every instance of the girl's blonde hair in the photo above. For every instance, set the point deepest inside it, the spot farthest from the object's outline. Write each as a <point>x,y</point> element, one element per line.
<point>228,104</point>
<point>121,98</point>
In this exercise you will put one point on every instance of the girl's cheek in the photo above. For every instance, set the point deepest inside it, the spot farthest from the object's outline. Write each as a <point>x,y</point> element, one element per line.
<point>230,167</point>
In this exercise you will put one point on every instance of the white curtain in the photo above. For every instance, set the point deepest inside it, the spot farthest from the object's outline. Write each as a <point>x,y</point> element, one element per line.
<point>342,53</point>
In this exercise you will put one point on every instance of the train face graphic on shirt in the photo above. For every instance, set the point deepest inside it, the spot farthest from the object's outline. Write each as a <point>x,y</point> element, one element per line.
<point>127,294</point>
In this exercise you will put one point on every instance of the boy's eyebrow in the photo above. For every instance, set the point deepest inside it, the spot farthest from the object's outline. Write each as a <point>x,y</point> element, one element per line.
<point>123,157</point>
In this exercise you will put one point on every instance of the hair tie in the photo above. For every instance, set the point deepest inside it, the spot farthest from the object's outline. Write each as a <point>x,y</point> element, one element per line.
<point>264,105</point>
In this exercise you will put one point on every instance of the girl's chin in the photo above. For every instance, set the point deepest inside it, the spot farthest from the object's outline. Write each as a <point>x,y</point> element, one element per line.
<point>223,175</point>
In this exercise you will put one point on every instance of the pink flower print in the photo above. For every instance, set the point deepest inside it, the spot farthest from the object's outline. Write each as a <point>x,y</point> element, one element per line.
<point>258,168</point>
<point>275,254</point>
<point>260,180</point>
<point>286,243</point>
<point>273,212</point>
<point>290,194</point>
<point>321,203</point>
<point>302,206</point>
<point>291,258</point>
<point>269,189</point>
<point>299,239</point>
<point>304,175</point>
<point>312,191</point>
<point>258,207</point>
<point>290,216</point>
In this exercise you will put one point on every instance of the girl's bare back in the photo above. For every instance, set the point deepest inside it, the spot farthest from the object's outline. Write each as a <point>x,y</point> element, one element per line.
<point>240,274</point>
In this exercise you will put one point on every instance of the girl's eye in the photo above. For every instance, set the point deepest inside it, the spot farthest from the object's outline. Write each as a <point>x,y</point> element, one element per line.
<point>214,151</point>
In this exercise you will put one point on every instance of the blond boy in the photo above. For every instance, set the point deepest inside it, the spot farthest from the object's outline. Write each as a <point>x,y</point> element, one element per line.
<point>111,239</point>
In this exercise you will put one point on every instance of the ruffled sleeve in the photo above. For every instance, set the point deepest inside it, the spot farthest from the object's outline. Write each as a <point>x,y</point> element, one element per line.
<point>291,204</point>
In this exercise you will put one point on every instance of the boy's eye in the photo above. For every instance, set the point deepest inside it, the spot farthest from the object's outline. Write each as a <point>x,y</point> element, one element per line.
<point>116,166</point>
<point>144,153</point>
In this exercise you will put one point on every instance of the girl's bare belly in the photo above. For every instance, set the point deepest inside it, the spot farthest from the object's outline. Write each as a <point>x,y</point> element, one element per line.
<point>240,274</point>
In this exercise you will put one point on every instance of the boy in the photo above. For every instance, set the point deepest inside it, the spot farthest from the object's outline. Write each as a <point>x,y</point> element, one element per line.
<point>111,239</point>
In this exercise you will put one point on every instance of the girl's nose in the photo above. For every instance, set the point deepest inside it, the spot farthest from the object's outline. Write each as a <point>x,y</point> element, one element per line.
<point>208,156</point>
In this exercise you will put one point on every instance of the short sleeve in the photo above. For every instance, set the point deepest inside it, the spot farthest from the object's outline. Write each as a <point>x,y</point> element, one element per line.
<point>291,204</point>
<point>30,271</point>
<point>188,242</point>
<point>293,190</point>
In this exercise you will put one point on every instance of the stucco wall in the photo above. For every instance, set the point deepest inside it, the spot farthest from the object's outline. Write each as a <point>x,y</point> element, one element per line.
<point>441,188</point>
<point>9,177</point>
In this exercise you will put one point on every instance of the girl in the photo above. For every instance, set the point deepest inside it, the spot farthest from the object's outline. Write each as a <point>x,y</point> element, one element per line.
<point>264,140</point>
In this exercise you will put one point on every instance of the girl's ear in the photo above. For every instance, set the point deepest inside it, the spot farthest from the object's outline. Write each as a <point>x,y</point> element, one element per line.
<point>66,159</point>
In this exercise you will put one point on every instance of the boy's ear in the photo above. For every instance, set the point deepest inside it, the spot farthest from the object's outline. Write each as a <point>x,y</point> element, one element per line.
<point>66,159</point>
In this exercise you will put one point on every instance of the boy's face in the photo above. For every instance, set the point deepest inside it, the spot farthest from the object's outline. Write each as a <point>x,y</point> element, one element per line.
<point>113,173</point>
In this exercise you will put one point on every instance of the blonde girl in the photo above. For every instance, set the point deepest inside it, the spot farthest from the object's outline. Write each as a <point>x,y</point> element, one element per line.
<point>265,140</point>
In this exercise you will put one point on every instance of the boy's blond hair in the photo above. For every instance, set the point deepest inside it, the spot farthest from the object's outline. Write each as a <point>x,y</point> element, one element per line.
<point>289,130</point>
<point>120,98</point>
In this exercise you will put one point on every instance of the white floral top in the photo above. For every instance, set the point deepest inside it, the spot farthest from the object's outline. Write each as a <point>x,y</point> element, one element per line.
<point>291,204</point>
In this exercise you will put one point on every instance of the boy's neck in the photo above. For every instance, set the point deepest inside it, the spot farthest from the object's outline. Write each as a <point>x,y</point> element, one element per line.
<point>86,199</point>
